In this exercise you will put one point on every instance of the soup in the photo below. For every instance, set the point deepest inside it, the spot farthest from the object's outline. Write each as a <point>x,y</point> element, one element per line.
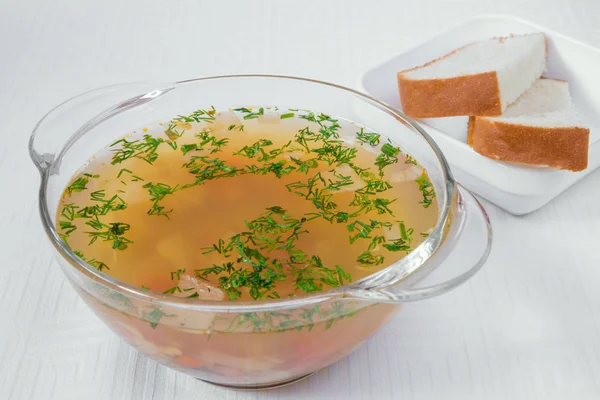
<point>246,204</point>
<point>241,205</point>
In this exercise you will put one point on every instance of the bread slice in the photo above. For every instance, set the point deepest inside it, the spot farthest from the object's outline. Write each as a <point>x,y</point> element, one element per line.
<point>540,128</point>
<point>482,78</point>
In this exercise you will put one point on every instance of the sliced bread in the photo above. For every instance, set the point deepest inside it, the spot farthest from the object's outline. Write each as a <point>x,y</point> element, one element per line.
<point>482,78</point>
<point>540,128</point>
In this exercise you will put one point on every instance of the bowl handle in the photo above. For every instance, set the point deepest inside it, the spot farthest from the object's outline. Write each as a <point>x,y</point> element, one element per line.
<point>65,122</point>
<point>455,262</point>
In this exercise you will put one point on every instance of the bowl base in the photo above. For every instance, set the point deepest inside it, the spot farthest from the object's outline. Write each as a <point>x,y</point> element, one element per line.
<point>251,388</point>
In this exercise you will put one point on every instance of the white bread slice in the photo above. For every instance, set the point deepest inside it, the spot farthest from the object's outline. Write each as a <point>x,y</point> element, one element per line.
<point>540,128</point>
<point>482,78</point>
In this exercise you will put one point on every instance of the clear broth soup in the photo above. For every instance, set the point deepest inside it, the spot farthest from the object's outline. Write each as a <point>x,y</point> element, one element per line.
<point>247,204</point>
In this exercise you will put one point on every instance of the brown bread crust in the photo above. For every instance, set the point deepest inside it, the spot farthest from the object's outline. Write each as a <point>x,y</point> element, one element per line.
<point>477,94</point>
<point>562,148</point>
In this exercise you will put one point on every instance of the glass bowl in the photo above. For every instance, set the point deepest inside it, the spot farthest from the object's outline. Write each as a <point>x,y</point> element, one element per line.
<point>268,343</point>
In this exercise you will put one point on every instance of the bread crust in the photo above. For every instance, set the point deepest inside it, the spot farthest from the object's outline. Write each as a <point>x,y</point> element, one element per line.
<point>477,94</point>
<point>562,148</point>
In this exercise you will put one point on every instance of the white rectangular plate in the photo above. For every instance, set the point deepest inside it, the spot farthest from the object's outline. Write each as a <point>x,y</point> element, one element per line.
<point>518,189</point>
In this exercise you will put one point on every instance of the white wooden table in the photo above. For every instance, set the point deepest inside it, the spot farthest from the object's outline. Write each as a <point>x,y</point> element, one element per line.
<point>526,327</point>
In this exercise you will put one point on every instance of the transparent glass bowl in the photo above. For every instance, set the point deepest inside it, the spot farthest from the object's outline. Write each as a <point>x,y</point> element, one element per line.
<point>266,343</point>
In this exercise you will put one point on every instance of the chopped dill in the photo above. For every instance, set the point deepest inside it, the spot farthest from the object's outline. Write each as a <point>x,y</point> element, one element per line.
<point>112,232</point>
<point>254,149</point>
<point>397,245</point>
<point>78,185</point>
<point>388,156</point>
<point>368,258</point>
<point>236,127</point>
<point>207,139</point>
<point>99,265</point>
<point>370,138</point>
<point>255,270</point>
<point>158,191</point>
<point>198,116</point>
<point>122,171</point>
<point>67,227</point>
<point>249,114</point>
<point>279,168</point>
<point>146,149</point>
<point>68,211</point>
<point>426,189</point>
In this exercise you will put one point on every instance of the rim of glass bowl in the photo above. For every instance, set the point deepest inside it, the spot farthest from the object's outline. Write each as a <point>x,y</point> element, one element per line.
<point>425,250</point>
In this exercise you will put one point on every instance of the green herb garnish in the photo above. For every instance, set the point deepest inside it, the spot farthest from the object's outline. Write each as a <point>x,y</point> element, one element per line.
<point>426,189</point>
<point>249,114</point>
<point>370,138</point>
<point>198,116</point>
<point>256,271</point>
<point>145,149</point>
<point>79,184</point>
<point>388,156</point>
<point>99,265</point>
<point>158,191</point>
<point>113,232</point>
